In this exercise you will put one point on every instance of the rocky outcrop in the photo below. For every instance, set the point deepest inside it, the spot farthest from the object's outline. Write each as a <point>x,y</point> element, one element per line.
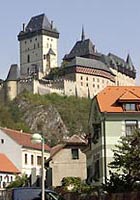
<point>43,118</point>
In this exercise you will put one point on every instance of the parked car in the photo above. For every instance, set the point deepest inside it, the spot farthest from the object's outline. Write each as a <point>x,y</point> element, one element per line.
<point>29,193</point>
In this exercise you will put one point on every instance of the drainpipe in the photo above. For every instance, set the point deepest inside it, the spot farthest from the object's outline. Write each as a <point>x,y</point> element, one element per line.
<point>104,135</point>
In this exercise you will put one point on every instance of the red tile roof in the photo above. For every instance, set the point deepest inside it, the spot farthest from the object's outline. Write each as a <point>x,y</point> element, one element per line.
<point>73,140</point>
<point>23,139</point>
<point>110,95</point>
<point>6,165</point>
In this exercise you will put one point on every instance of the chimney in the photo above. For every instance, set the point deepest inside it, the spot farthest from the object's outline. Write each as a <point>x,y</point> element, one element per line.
<point>51,24</point>
<point>23,25</point>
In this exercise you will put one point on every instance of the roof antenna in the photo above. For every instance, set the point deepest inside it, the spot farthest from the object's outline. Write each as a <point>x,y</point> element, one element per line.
<point>83,34</point>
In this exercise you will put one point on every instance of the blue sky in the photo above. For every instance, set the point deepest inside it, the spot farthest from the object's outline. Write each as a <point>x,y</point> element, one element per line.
<point>112,25</point>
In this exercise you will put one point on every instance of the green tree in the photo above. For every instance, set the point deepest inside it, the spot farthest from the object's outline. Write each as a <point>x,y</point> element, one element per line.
<point>20,181</point>
<point>125,166</point>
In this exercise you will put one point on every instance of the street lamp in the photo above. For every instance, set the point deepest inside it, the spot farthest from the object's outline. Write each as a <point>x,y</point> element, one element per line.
<point>38,138</point>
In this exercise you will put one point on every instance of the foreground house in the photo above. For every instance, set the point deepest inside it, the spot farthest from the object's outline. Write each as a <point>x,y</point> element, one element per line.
<point>25,155</point>
<point>67,160</point>
<point>8,171</point>
<point>115,112</point>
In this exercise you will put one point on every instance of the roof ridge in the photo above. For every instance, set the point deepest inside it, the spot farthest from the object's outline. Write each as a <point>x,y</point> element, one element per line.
<point>20,131</point>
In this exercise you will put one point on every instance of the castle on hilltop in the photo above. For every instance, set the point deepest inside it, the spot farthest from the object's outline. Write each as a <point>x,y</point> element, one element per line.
<point>84,71</point>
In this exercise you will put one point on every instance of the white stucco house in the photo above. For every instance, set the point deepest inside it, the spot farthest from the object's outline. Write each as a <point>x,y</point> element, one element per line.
<point>19,149</point>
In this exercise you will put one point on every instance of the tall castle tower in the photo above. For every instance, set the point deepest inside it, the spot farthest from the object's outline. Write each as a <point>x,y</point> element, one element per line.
<point>38,47</point>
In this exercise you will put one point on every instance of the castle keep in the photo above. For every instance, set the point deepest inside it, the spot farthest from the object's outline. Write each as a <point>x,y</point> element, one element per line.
<point>84,71</point>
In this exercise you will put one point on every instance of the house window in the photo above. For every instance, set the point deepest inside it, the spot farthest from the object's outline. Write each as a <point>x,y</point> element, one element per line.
<point>130,126</point>
<point>38,160</point>
<point>75,153</point>
<point>0,178</point>
<point>97,170</point>
<point>96,132</point>
<point>25,158</point>
<point>130,107</point>
<point>32,159</point>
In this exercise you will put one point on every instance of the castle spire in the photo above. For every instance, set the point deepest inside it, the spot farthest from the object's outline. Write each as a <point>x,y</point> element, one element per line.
<point>129,62</point>
<point>83,34</point>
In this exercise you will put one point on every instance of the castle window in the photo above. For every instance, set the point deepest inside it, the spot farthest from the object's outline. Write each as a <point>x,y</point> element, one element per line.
<point>81,77</point>
<point>28,58</point>
<point>30,40</point>
<point>36,39</point>
<point>38,44</point>
<point>75,154</point>
<point>87,78</point>
<point>25,42</point>
<point>34,46</point>
<point>50,45</point>
<point>93,85</point>
<point>93,79</point>
<point>2,141</point>
<point>81,83</point>
<point>87,84</point>
<point>130,126</point>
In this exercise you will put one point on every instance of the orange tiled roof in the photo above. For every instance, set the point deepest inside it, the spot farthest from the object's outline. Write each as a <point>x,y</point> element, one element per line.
<point>110,95</point>
<point>6,165</point>
<point>23,139</point>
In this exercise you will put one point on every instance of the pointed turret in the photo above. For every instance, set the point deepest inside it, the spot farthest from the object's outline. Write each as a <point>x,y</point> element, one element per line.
<point>83,34</point>
<point>129,62</point>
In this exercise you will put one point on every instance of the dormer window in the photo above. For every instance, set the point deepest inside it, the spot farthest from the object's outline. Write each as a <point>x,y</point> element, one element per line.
<point>130,107</point>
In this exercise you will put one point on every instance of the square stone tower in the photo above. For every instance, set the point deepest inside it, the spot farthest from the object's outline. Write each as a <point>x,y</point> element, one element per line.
<point>38,47</point>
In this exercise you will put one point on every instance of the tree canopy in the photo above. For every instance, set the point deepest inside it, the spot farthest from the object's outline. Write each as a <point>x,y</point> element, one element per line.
<point>125,167</point>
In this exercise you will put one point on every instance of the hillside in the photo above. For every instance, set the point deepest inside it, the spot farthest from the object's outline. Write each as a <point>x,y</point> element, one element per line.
<point>54,115</point>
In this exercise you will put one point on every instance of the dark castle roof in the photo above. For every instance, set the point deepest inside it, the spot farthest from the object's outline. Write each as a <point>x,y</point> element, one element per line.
<point>38,25</point>
<point>90,63</point>
<point>85,49</point>
<point>82,48</point>
<point>13,73</point>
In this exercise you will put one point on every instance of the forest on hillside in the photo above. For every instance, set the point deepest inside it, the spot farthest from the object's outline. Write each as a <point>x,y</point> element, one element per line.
<point>74,111</point>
